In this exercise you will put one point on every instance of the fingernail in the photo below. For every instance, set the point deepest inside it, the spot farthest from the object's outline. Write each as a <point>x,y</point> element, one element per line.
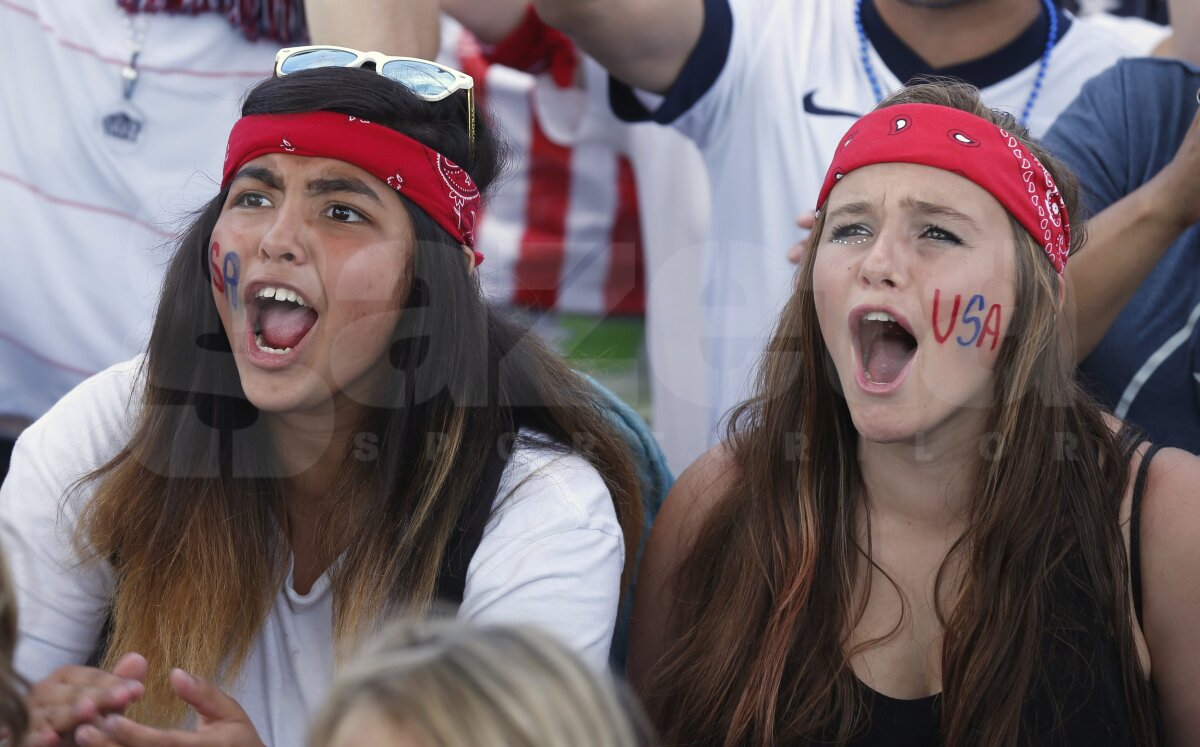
<point>187,676</point>
<point>86,734</point>
<point>111,722</point>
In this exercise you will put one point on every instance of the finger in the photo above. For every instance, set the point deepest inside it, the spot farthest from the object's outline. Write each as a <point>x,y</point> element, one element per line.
<point>128,733</point>
<point>132,666</point>
<point>89,735</point>
<point>796,252</point>
<point>206,698</point>
<point>807,220</point>
<point>42,738</point>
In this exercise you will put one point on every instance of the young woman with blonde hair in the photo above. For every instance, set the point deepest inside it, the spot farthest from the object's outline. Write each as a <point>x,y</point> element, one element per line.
<point>330,425</point>
<point>449,684</point>
<point>920,531</point>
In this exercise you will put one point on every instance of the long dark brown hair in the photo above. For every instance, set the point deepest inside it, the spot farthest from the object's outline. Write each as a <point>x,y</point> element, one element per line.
<point>14,719</point>
<point>767,593</point>
<point>192,513</point>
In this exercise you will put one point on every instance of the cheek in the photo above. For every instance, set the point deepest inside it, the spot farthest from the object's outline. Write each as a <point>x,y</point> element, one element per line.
<point>225,268</point>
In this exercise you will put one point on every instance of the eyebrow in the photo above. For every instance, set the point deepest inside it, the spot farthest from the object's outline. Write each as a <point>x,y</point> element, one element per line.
<point>260,174</point>
<point>320,186</point>
<point>851,208</point>
<point>930,208</point>
<point>326,185</point>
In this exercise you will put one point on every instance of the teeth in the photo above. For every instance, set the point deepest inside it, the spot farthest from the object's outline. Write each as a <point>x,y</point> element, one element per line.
<point>263,346</point>
<point>878,316</point>
<point>281,294</point>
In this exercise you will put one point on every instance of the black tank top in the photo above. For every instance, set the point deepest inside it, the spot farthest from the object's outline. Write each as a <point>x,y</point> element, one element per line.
<point>1081,675</point>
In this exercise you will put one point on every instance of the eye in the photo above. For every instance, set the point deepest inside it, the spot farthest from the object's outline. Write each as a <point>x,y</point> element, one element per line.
<point>252,200</point>
<point>848,231</point>
<point>344,214</point>
<point>937,233</point>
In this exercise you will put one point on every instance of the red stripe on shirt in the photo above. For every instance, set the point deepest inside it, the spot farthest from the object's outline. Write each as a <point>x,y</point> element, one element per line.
<point>625,290</point>
<point>540,263</point>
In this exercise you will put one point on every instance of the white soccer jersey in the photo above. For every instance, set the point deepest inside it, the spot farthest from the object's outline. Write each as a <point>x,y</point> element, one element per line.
<point>562,231</point>
<point>583,175</point>
<point>88,217</point>
<point>791,84</point>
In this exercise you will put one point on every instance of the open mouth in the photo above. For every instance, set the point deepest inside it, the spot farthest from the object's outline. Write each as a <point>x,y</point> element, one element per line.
<point>885,347</point>
<point>282,320</point>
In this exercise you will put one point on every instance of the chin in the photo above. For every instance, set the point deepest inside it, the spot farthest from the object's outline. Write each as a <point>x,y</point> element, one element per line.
<point>882,424</point>
<point>293,391</point>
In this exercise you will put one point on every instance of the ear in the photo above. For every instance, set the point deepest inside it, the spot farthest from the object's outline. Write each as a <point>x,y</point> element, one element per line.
<point>1062,290</point>
<point>471,258</point>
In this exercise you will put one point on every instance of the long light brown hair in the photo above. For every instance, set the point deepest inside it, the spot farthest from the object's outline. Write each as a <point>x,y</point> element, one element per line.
<point>767,593</point>
<point>193,513</point>
<point>452,684</point>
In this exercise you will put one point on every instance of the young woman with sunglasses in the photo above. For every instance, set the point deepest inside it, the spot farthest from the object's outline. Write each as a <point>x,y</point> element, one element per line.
<point>329,426</point>
<point>920,531</point>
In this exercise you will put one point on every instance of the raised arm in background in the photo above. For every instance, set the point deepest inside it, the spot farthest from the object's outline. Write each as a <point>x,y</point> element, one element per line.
<point>644,43</point>
<point>397,27</point>
<point>489,20</point>
<point>1185,20</point>
<point>1127,239</point>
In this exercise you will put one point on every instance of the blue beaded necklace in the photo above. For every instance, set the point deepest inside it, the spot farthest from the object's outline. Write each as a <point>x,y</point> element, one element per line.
<point>1051,38</point>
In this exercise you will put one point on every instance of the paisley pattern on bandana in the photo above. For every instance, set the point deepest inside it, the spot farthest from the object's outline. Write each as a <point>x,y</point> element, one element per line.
<point>967,145</point>
<point>434,183</point>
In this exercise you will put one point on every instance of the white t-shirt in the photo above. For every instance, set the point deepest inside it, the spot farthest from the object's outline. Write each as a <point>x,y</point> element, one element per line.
<point>87,215</point>
<point>581,203</point>
<point>551,555</point>
<point>791,84</point>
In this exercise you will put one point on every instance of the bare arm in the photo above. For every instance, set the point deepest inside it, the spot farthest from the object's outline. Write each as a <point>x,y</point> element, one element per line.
<point>682,514</point>
<point>1127,239</point>
<point>1185,21</point>
<point>1171,590</point>
<point>489,20</point>
<point>398,27</point>
<point>644,43</point>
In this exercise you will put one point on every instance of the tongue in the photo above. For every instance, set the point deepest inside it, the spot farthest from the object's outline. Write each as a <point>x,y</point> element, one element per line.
<point>283,324</point>
<point>888,357</point>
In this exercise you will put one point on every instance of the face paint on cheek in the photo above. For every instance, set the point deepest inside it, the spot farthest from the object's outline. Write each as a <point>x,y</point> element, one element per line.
<point>976,330</point>
<point>232,269</point>
<point>218,280</point>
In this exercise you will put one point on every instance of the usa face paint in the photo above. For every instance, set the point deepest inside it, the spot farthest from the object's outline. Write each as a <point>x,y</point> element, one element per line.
<point>974,330</point>
<point>232,270</point>
<point>218,280</point>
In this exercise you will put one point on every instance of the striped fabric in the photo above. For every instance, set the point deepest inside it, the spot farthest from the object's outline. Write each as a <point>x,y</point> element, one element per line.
<point>563,231</point>
<point>279,20</point>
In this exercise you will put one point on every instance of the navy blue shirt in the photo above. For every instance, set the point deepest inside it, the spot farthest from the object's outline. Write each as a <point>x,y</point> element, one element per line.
<point>1124,127</point>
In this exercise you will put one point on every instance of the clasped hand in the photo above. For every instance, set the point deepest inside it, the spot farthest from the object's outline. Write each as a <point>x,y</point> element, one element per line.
<point>84,706</point>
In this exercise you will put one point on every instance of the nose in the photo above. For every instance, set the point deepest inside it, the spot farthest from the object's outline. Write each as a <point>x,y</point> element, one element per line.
<point>286,237</point>
<point>882,264</point>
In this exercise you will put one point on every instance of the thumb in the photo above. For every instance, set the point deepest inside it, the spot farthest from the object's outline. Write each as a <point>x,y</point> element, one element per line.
<point>208,700</point>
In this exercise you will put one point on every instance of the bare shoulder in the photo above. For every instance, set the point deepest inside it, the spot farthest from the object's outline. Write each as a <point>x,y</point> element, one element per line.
<point>1170,564</point>
<point>1171,503</point>
<point>696,492</point>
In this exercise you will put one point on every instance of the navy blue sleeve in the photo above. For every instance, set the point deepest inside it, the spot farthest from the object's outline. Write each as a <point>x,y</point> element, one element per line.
<point>697,76</point>
<point>1124,127</point>
<point>1092,137</point>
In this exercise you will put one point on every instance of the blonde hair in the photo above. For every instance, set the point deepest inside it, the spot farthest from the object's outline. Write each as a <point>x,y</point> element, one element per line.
<point>455,685</point>
<point>13,717</point>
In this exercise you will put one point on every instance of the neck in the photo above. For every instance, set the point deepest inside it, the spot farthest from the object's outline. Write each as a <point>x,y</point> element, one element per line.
<point>310,448</point>
<point>950,36</point>
<point>927,482</point>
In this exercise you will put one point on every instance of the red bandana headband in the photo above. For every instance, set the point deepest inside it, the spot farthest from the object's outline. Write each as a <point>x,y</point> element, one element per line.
<point>966,145</point>
<point>433,182</point>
